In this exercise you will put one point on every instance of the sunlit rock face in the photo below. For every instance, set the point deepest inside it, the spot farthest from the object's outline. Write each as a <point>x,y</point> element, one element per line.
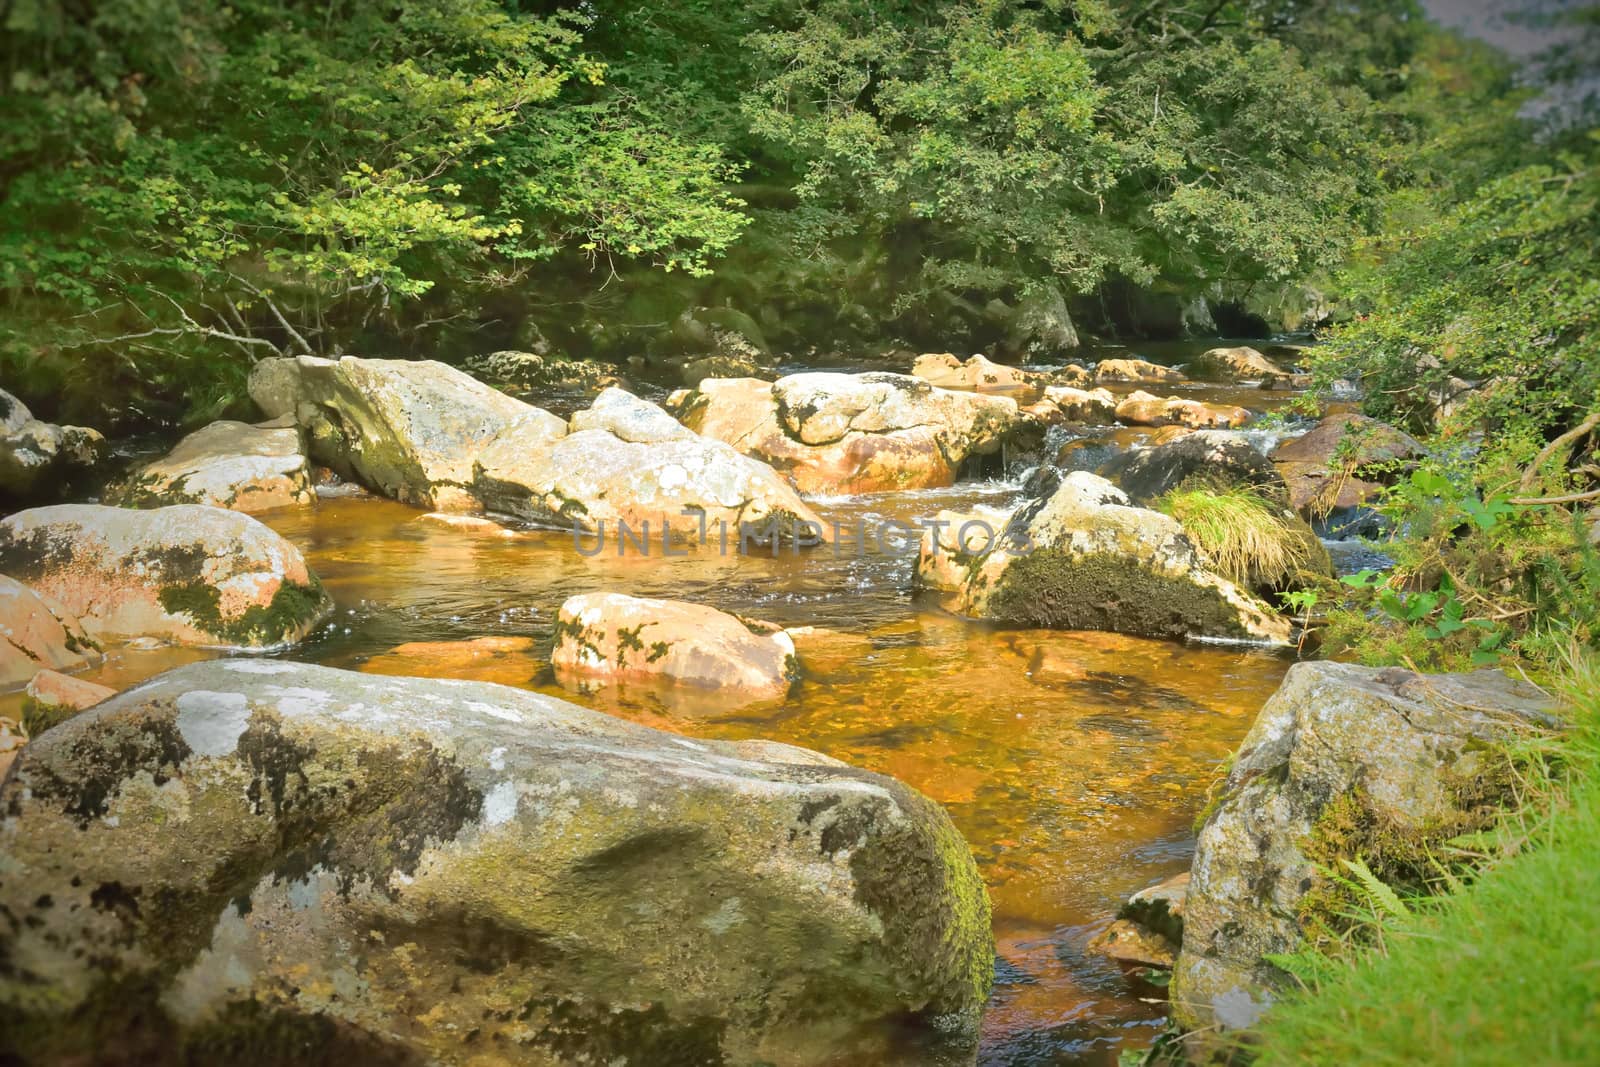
<point>399,862</point>
<point>37,457</point>
<point>1339,752</point>
<point>627,461</point>
<point>190,574</point>
<point>1143,409</point>
<point>411,430</point>
<point>1084,558</point>
<point>611,636</point>
<point>226,464</point>
<point>36,632</point>
<point>857,433</point>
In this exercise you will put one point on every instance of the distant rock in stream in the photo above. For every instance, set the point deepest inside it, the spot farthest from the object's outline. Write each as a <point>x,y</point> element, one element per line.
<point>851,433</point>
<point>228,465</point>
<point>1343,762</point>
<point>435,871</point>
<point>38,458</point>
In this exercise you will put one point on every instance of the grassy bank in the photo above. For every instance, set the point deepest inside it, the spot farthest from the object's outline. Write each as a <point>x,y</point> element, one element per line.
<point>1505,969</point>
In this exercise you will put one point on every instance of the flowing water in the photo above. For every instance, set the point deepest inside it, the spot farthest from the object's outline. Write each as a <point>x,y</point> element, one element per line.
<point>1074,763</point>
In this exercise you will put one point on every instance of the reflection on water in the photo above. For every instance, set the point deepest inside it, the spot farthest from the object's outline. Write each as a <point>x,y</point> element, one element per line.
<point>1073,762</point>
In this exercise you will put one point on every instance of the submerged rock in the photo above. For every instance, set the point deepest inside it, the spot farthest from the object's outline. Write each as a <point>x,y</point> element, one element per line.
<point>188,573</point>
<point>36,631</point>
<point>228,465</point>
<point>615,637</point>
<point>411,862</point>
<point>53,697</point>
<point>1340,753</point>
<point>37,457</point>
<point>1083,558</point>
<point>856,433</point>
<point>628,461</point>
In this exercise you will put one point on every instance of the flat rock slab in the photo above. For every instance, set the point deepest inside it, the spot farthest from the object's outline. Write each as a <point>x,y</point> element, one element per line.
<point>409,861</point>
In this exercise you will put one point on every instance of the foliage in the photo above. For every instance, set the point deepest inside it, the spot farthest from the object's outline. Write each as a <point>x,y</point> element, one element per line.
<point>196,184</point>
<point>1477,579</point>
<point>1519,909</point>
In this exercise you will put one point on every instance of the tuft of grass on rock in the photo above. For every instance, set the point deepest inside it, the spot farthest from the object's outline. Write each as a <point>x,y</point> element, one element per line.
<point>1248,538</point>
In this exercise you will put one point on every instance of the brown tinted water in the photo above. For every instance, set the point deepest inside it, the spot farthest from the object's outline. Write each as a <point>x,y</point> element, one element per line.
<point>1074,763</point>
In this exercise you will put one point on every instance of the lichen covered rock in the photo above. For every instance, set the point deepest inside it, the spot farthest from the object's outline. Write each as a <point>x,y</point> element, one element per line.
<point>857,433</point>
<point>1339,749</point>
<point>615,637</point>
<point>188,573</point>
<point>628,461</point>
<point>1234,364</point>
<point>411,430</point>
<point>37,632</point>
<point>435,869</point>
<point>1083,558</point>
<point>228,465</point>
<point>1136,370</point>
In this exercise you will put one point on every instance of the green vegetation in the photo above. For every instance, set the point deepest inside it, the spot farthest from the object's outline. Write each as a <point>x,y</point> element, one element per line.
<point>191,185</point>
<point>1501,970</point>
<point>1248,539</point>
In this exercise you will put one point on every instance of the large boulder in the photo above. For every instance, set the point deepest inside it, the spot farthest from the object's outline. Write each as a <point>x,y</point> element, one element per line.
<point>36,457</point>
<point>856,433</point>
<point>521,372</point>
<point>411,430</point>
<point>228,465</point>
<point>1041,327</point>
<point>614,637</point>
<point>1342,462</point>
<point>1343,762</point>
<point>1083,558</point>
<point>188,573</point>
<point>36,632</point>
<point>628,461</point>
<point>1216,457</point>
<point>422,871</point>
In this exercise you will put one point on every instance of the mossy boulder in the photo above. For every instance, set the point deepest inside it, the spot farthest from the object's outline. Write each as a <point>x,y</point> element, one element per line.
<point>188,573</point>
<point>228,465</point>
<point>409,429</point>
<point>1343,762</point>
<point>53,697</point>
<point>1083,558</point>
<point>442,869</point>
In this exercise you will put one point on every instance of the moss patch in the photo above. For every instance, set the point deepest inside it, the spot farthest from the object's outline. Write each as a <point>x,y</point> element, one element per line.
<point>1062,590</point>
<point>293,608</point>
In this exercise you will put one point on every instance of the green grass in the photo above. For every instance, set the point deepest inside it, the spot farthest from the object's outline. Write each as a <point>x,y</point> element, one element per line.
<point>1505,969</point>
<point>1248,539</point>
